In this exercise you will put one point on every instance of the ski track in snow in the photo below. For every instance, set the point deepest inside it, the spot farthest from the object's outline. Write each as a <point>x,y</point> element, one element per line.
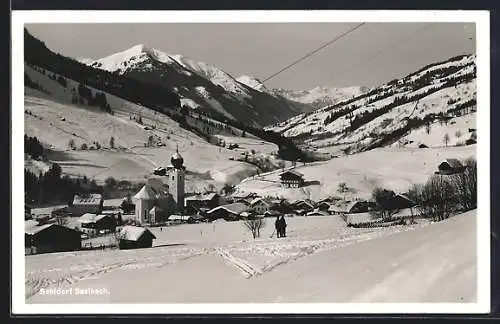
<point>251,259</point>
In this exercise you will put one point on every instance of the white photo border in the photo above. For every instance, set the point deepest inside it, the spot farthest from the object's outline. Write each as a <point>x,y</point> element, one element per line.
<point>482,23</point>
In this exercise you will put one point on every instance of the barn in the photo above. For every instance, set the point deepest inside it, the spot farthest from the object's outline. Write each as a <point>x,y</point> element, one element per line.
<point>450,166</point>
<point>134,237</point>
<point>49,238</point>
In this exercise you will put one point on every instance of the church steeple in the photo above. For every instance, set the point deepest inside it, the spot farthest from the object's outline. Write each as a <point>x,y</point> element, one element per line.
<point>177,160</point>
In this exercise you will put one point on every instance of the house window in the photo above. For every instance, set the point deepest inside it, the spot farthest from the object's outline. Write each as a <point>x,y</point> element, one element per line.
<point>173,178</point>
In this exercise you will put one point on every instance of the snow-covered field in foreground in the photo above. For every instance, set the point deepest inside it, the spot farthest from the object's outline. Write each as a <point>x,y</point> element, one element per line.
<point>321,260</point>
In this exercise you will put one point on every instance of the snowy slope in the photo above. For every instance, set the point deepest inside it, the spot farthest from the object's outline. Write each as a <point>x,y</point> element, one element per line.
<point>321,260</point>
<point>436,95</point>
<point>391,168</point>
<point>55,120</point>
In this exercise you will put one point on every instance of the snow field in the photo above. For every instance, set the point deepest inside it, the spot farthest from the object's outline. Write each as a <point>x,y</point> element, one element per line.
<point>320,261</point>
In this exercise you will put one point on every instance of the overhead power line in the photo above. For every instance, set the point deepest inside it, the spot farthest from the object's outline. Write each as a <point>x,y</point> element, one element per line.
<point>313,52</point>
<point>384,49</point>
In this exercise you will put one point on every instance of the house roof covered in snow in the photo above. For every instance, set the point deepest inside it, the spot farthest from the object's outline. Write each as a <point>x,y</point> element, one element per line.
<point>91,199</point>
<point>146,193</point>
<point>317,213</point>
<point>31,227</point>
<point>134,233</point>
<point>179,217</point>
<point>202,197</point>
<point>307,202</point>
<point>454,163</point>
<point>343,207</point>
<point>235,208</point>
<point>91,218</point>
<point>260,199</point>
<point>244,195</point>
<point>293,172</point>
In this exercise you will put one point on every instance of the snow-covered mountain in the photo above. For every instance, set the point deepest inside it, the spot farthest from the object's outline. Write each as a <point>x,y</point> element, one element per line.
<point>419,108</point>
<point>201,86</point>
<point>253,83</point>
<point>320,97</point>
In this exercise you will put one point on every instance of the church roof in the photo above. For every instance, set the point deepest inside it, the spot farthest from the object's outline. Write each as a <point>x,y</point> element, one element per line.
<point>146,193</point>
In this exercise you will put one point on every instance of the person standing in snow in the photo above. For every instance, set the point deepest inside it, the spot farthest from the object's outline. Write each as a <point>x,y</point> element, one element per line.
<point>277,226</point>
<point>283,226</point>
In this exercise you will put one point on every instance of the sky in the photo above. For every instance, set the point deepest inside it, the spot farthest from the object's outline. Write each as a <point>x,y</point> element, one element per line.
<point>369,56</point>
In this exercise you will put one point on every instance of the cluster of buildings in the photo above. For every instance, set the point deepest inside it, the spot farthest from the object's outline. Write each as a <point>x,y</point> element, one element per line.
<point>163,199</point>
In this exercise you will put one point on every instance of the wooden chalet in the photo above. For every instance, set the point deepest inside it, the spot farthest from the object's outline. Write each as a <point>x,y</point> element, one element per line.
<point>450,166</point>
<point>291,179</point>
<point>47,238</point>
<point>134,237</point>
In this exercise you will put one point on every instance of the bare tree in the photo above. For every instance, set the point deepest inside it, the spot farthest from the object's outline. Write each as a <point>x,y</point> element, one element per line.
<point>342,189</point>
<point>385,202</point>
<point>446,139</point>
<point>112,142</point>
<point>254,226</point>
<point>465,185</point>
<point>436,198</point>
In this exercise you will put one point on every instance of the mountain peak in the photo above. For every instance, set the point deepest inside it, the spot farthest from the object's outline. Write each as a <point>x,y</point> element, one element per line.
<point>252,82</point>
<point>140,49</point>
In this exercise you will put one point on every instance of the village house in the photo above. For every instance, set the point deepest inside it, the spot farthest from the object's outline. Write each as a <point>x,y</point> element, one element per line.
<point>134,237</point>
<point>303,206</point>
<point>90,203</point>
<point>401,201</point>
<point>349,207</point>
<point>228,212</point>
<point>180,219</point>
<point>242,197</point>
<point>281,206</point>
<point>450,166</point>
<point>92,224</point>
<point>201,203</point>
<point>324,205</point>
<point>260,205</point>
<point>291,179</point>
<point>317,213</point>
<point>115,213</point>
<point>47,238</point>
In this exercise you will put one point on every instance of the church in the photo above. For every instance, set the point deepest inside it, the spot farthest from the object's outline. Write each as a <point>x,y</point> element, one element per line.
<point>162,196</point>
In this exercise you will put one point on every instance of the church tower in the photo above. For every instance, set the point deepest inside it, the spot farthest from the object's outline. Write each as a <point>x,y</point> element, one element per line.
<point>176,175</point>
